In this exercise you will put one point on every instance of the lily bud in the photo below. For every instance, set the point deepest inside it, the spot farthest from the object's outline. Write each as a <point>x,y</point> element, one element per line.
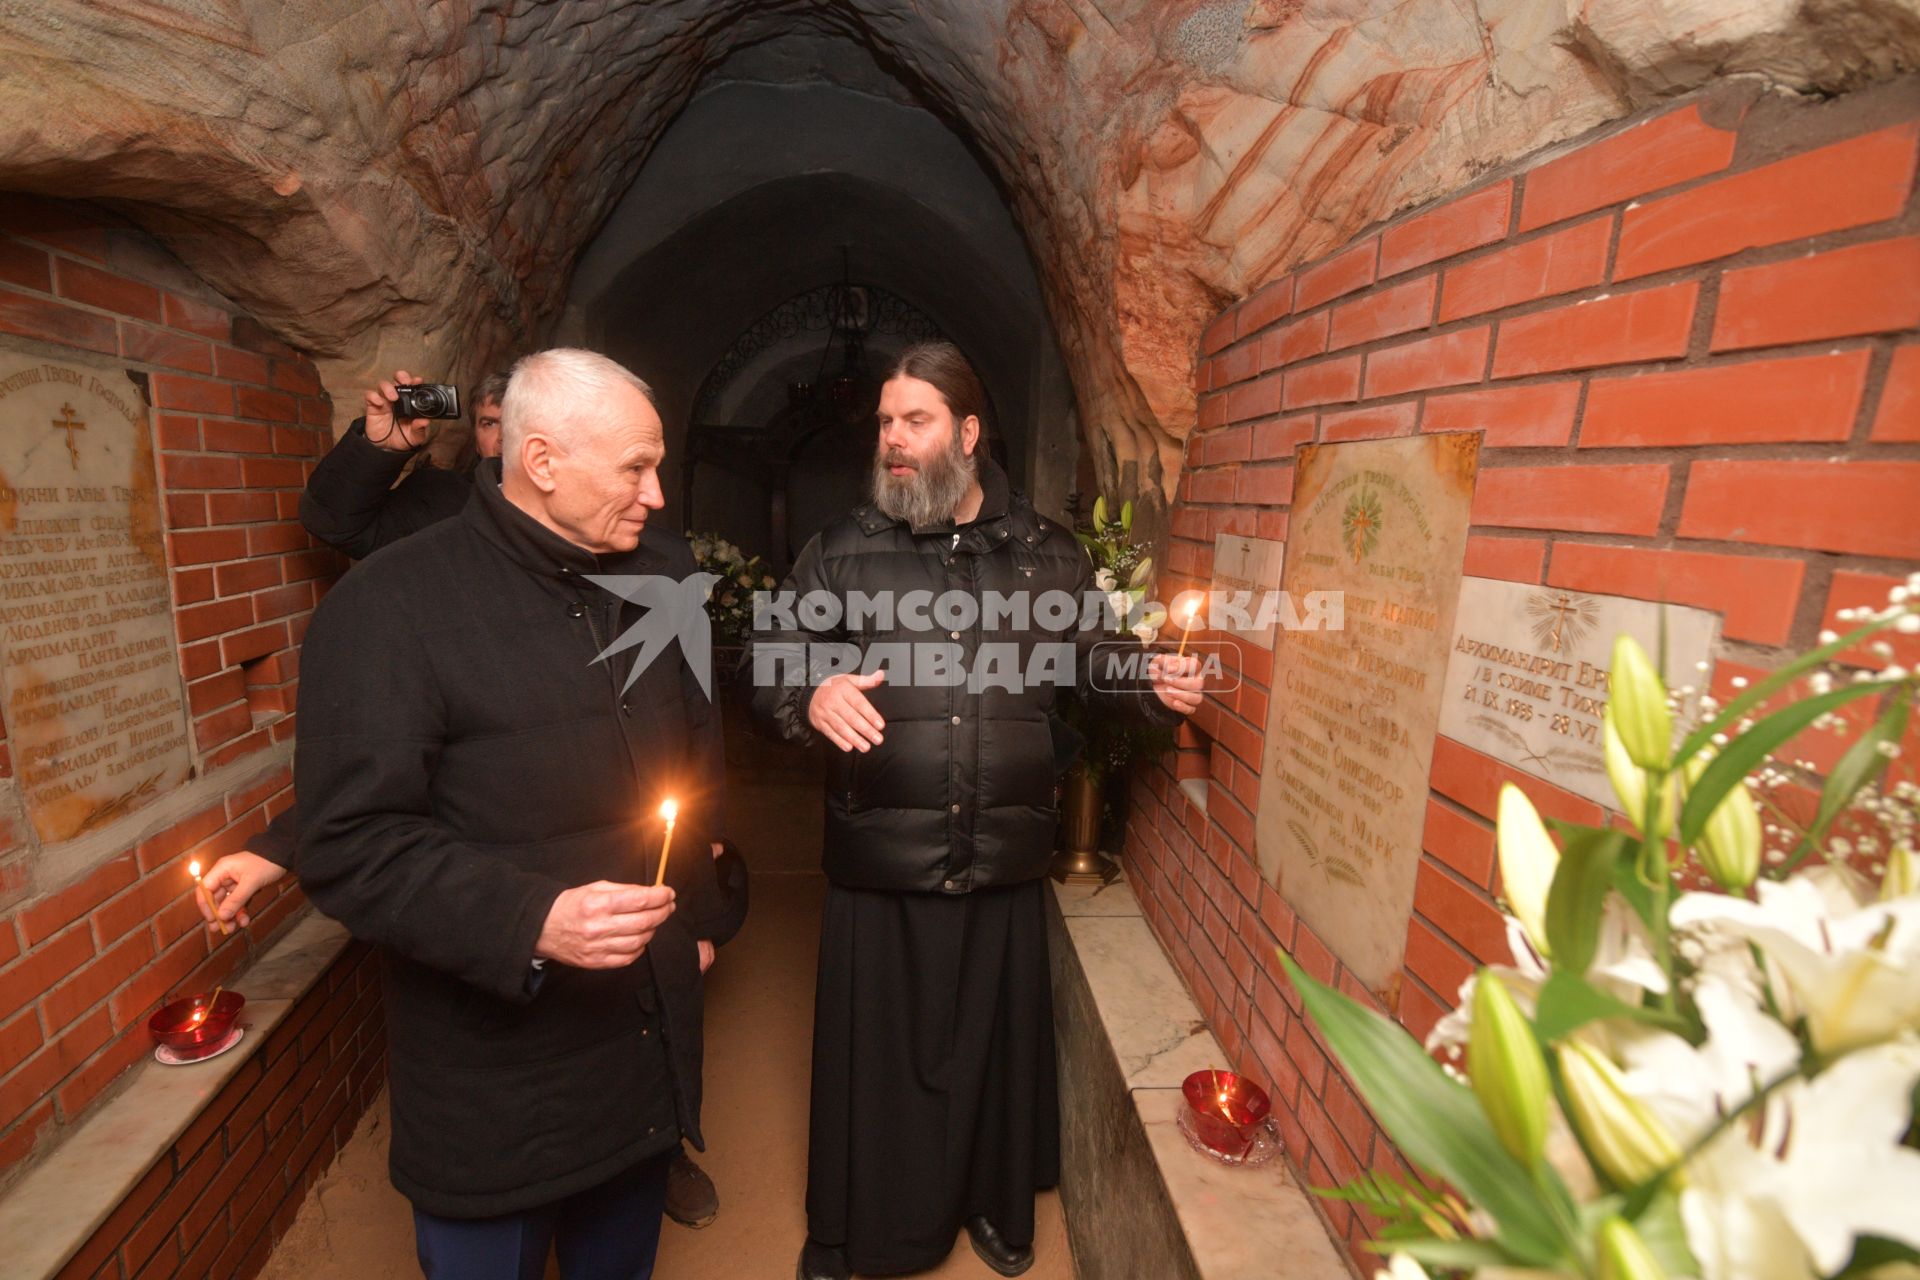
<point>1903,874</point>
<point>1508,1071</point>
<point>1639,704</point>
<point>1528,860</point>
<point>1729,844</point>
<point>1628,1141</point>
<point>1624,1255</point>
<point>1630,781</point>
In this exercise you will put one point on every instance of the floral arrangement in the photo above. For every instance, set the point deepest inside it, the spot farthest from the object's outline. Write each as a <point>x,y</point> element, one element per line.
<point>1115,739</point>
<point>1702,1060</point>
<point>1116,560</point>
<point>730,600</point>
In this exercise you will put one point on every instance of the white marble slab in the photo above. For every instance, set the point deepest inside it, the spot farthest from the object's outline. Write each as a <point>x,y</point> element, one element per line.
<point>1531,668</point>
<point>1114,899</point>
<point>296,962</point>
<point>1151,1021</point>
<point>1241,1224</point>
<point>51,1212</point>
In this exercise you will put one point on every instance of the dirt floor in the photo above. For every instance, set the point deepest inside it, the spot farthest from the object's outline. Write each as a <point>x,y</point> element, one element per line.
<point>354,1226</point>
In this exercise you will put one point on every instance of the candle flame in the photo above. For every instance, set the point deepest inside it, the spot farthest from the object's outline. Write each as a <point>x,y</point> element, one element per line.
<point>669,809</point>
<point>1193,607</point>
<point>193,868</point>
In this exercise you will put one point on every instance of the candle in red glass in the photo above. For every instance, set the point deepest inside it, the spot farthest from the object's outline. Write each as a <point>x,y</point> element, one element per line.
<point>1226,1109</point>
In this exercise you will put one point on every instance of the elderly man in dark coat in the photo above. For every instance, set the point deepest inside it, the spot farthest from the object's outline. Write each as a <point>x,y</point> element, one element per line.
<point>477,799</point>
<point>933,1072</point>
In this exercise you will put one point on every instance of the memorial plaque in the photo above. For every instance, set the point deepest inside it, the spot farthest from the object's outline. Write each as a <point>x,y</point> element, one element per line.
<point>1350,728</point>
<point>1246,574</point>
<point>94,712</point>
<point>1528,675</point>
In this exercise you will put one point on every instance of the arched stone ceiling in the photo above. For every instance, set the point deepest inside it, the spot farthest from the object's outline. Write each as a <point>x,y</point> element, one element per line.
<point>379,179</point>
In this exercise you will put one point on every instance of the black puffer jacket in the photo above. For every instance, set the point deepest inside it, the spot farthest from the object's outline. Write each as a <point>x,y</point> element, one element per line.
<point>960,794</point>
<point>461,761</point>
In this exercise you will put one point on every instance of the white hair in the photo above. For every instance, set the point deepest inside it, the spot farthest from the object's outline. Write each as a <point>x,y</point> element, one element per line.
<point>549,391</point>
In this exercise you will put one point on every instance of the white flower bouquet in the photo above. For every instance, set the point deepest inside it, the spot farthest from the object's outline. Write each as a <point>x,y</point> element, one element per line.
<point>1715,1081</point>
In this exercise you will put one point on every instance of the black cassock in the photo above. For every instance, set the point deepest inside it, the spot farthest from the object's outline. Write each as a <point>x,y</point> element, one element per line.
<point>934,1093</point>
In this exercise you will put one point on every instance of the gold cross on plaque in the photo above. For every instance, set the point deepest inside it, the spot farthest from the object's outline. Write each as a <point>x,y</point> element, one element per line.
<point>1562,609</point>
<point>70,426</point>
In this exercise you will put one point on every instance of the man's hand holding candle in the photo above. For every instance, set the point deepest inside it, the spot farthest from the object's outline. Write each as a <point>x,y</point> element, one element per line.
<point>1177,681</point>
<point>231,881</point>
<point>603,925</point>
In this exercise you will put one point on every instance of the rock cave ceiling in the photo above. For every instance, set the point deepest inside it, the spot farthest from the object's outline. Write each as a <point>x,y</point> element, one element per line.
<point>377,180</point>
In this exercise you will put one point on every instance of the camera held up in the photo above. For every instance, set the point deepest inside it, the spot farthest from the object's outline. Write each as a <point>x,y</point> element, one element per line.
<point>427,400</point>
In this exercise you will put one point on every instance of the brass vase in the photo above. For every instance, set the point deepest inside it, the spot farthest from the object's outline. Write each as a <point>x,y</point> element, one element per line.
<point>1079,860</point>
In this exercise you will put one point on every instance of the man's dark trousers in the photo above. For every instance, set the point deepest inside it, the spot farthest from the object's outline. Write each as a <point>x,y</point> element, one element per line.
<point>608,1232</point>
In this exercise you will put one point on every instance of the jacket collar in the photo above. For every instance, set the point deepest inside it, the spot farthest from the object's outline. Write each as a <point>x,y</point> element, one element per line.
<point>1004,510</point>
<point>530,544</point>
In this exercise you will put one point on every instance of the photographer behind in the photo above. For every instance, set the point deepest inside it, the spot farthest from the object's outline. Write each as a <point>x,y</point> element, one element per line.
<point>352,503</point>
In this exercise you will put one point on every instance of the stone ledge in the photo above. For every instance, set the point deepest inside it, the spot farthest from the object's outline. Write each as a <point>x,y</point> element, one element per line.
<point>1139,1200</point>
<point>63,1199</point>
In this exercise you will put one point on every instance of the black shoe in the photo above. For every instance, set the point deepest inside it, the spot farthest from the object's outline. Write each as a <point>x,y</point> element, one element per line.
<point>995,1251</point>
<point>822,1262</point>
<point>691,1199</point>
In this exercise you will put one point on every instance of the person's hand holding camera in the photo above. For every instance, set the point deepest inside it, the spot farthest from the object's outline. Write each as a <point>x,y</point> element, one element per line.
<point>402,435</point>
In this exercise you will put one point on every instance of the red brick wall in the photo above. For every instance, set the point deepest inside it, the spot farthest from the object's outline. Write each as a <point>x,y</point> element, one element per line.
<point>215,1203</point>
<point>239,420</point>
<point>1690,342</point>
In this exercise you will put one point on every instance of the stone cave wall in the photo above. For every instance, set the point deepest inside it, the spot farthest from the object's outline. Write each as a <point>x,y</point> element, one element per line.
<point>1692,343</point>
<point>403,185</point>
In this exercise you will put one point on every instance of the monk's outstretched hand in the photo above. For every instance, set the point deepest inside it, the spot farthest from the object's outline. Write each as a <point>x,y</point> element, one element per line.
<point>840,710</point>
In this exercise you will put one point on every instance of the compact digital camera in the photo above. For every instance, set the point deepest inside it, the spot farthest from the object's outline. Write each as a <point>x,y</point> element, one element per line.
<point>426,400</point>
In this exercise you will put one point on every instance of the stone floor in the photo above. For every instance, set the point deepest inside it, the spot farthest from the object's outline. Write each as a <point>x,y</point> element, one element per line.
<point>354,1226</point>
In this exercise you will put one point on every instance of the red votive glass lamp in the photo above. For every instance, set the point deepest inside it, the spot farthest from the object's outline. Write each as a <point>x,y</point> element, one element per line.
<point>1227,1110</point>
<point>196,1026</point>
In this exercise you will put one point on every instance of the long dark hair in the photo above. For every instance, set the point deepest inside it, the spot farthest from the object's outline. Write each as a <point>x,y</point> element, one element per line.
<point>943,366</point>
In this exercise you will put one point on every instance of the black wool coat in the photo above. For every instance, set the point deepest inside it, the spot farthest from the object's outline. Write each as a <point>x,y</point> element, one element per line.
<point>959,795</point>
<point>352,504</point>
<point>461,761</point>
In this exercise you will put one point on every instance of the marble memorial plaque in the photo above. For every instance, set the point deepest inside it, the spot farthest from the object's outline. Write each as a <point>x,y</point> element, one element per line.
<point>1527,677</point>
<point>1246,572</point>
<point>94,712</point>
<point>1350,728</point>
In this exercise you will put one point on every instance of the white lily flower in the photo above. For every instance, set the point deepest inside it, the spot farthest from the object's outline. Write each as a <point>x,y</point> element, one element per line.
<point>1853,970</point>
<point>1401,1267</point>
<point>1828,1167</point>
<point>1105,580</point>
<point>1121,603</point>
<point>1146,633</point>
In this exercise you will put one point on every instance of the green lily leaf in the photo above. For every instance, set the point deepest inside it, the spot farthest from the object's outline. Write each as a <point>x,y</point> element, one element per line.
<point>1743,755</point>
<point>1861,764</point>
<point>1566,1003</point>
<point>1439,1125</point>
<point>1732,713</point>
<point>1580,886</point>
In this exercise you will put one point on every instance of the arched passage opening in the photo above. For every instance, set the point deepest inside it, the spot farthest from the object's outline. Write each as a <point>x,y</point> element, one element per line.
<point>761,196</point>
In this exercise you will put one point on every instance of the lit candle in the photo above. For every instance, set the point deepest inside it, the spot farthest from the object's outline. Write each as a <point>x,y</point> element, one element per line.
<point>670,811</point>
<point>1186,625</point>
<point>200,1014</point>
<point>206,898</point>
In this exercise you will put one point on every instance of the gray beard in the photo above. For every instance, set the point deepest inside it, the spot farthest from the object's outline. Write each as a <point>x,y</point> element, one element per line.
<point>930,495</point>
